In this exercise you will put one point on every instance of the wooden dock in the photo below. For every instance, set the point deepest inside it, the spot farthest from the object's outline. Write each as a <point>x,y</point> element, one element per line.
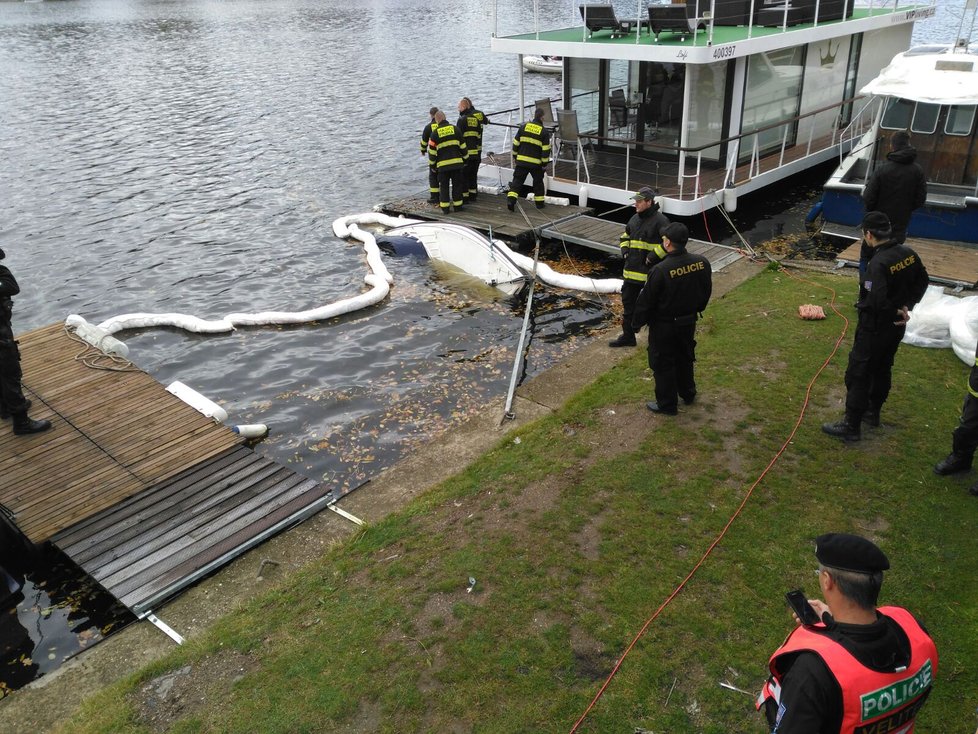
<point>140,489</point>
<point>488,213</point>
<point>947,263</point>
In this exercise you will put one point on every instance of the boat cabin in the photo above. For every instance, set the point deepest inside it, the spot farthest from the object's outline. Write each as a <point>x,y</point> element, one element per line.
<point>705,100</point>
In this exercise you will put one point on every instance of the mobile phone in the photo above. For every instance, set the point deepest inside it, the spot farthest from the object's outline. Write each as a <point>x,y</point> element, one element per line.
<point>799,605</point>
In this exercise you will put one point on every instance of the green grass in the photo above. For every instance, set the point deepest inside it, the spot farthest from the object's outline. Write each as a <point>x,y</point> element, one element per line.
<point>580,531</point>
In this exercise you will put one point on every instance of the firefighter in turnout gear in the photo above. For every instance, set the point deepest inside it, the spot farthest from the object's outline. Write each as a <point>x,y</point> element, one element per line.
<point>531,154</point>
<point>676,292</point>
<point>471,122</point>
<point>432,171</point>
<point>641,248</point>
<point>964,439</point>
<point>894,283</point>
<point>859,669</point>
<point>446,152</point>
<point>13,404</point>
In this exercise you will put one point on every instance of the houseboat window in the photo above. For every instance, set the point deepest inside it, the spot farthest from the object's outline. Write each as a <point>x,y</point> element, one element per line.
<point>582,92</point>
<point>959,119</point>
<point>897,114</point>
<point>925,118</point>
<point>707,86</point>
<point>772,96</point>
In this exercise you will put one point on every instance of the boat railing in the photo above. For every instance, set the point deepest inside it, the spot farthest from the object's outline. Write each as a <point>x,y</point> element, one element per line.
<point>861,122</point>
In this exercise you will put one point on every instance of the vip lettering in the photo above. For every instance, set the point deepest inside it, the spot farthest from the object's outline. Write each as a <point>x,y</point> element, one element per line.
<point>896,695</point>
<point>905,263</point>
<point>685,270</point>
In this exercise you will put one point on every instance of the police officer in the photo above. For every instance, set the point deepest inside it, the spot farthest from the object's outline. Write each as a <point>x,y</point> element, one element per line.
<point>641,248</point>
<point>531,153</point>
<point>860,668</point>
<point>446,153</point>
<point>12,401</point>
<point>676,292</point>
<point>894,283</point>
<point>471,122</point>
<point>432,171</point>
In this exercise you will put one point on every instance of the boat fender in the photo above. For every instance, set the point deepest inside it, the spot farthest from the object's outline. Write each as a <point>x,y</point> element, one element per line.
<point>98,338</point>
<point>197,401</point>
<point>251,430</point>
<point>730,198</point>
<point>582,196</point>
<point>814,212</point>
<point>401,245</point>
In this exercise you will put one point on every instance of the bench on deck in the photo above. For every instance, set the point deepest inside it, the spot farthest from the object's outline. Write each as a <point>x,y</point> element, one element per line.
<point>601,17</point>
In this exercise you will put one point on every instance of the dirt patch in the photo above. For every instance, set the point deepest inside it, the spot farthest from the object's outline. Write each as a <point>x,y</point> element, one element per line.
<point>179,694</point>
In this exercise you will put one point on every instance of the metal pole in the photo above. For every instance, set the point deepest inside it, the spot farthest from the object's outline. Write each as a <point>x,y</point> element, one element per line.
<point>517,361</point>
<point>522,93</point>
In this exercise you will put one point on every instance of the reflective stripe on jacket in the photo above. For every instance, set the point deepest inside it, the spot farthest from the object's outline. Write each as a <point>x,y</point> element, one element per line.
<point>471,123</point>
<point>445,146</point>
<point>531,145</point>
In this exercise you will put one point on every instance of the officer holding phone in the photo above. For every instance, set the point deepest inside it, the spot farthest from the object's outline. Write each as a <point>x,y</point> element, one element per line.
<point>853,667</point>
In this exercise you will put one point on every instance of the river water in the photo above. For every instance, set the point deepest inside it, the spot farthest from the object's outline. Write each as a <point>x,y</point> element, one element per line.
<point>190,155</point>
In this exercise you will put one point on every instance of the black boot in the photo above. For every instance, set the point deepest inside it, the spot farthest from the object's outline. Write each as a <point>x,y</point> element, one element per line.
<point>623,340</point>
<point>953,463</point>
<point>845,429</point>
<point>24,425</point>
<point>872,417</point>
<point>5,414</point>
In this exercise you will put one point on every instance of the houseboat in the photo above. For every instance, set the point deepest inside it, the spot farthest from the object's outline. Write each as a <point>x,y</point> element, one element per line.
<point>931,92</point>
<point>704,100</point>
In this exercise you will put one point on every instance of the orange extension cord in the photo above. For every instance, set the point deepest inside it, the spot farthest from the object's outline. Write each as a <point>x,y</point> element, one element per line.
<point>743,503</point>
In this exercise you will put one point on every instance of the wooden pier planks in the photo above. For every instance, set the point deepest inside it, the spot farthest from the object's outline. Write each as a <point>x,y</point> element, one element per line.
<point>114,434</point>
<point>946,263</point>
<point>153,544</point>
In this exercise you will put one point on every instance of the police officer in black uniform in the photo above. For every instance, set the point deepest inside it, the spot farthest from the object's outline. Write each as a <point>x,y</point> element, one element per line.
<point>964,439</point>
<point>858,668</point>
<point>432,171</point>
<point>471,122</point>
<point>13,404</point>
<point>446,152</point>
<point>641,248</point>
<point>531,154</point>
<point>676,292</point>
<point>894,283</point>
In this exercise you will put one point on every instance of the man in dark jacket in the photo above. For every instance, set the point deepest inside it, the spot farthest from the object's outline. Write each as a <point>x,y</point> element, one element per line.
<point>471,122</point>
<point>964,439</point>
<point>13,404</point>
<point>446,153</point>
<point>641,248</point>
<point>531,154</point>
<point>897,187</point>
<point>677,291</point>
<point>894,283</point>
<point>432,171</point>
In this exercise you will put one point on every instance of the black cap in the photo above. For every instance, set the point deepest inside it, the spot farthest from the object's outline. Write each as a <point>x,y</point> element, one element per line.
<point>876,222</point>
<point>644,193</point>
<point>900,140</point>
<point>677,234</point>
<point>850,553</point>
<point>2,254</point>
<point>539,114</point>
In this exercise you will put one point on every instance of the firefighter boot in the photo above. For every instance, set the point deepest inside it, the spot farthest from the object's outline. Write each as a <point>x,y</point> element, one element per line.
<point>24,425</point>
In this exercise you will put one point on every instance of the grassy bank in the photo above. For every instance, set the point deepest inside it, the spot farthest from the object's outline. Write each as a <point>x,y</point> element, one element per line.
<point>577,529</point>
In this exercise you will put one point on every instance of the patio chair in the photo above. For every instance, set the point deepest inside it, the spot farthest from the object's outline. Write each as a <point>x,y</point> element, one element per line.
<point>601,17</point>
<point>671,18</point>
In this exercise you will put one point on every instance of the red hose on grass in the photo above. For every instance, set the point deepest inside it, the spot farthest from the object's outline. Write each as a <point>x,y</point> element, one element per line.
<point>750,492</point>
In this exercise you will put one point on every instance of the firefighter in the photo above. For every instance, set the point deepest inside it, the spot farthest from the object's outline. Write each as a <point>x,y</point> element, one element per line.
<point>860,668</point>
<point>641,248</point>
<point>531,154</point>
<point>471,122</point>
<point>13,404</point>
<point>446,153</point>
<point>432,171</point>
<point>676,292</point>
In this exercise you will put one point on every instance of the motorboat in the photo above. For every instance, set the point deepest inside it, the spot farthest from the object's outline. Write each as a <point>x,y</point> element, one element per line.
<point>703,100</point>
<point>932,92</point>
<point>543,64</point>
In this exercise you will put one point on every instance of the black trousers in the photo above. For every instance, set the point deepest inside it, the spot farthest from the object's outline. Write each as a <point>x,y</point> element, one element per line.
<point>629,296</point>
<point>868,376</point>
<point>11,395</point>
<point>433,187</point>
<point>519,178</point>
<point>450,187</point>
<point>472,164</point>
<point>965,436</point>
<point>672,352</point>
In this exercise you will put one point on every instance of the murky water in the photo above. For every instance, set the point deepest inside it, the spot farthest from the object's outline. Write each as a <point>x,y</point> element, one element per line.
<point>190,155</point>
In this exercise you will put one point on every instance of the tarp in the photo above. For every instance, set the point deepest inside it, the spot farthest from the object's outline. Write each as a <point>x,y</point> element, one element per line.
<point>935,78</point>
